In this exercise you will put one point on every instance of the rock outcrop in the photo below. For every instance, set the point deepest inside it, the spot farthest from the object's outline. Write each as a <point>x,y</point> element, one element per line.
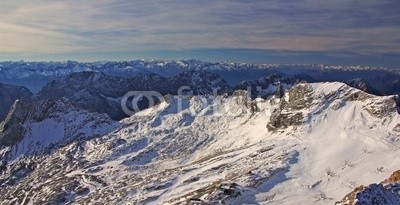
<point>288,113</point>
<point>386,192</point>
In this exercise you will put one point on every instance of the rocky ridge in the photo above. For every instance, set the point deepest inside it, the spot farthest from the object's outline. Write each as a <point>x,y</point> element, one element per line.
<point>385,193</point>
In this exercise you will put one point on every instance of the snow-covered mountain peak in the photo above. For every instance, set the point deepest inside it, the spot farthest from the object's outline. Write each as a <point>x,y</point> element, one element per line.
<point>306,101</point>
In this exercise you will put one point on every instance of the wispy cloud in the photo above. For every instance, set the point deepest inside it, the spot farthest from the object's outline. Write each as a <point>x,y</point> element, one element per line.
<point>44,26</point>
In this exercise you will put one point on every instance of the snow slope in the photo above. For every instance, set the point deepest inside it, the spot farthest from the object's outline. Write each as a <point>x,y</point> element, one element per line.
<point>312,146</point>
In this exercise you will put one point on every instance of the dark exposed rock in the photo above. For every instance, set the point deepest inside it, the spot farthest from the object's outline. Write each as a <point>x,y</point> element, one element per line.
<point>12,129</point>
<point>300,97</point>
<point>363,85</point>
<point>280,91</point>
<point>97,92</point>
<point>358,96</point>
<point>381,108</point>
<point>279,120</point>
<point>394,178</point>
<point>258,87</point>
<point>386,192</point>
<point>387,83</point>
<point>397,128</point>
<point>10,93</point>
<point>397,101</point>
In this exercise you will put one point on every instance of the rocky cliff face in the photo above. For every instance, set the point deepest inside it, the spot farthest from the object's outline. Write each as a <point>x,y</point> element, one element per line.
<point>31,127</point>
<point>397,101</point>
<point>97,92</point>
<point>363,85</point>
<point>289,111</point>
<point>12,129</point>
<point>387,84</point>
<point>10,93</point>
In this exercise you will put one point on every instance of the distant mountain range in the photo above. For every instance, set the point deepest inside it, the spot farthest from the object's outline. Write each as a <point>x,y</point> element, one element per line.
<point>34,75</point>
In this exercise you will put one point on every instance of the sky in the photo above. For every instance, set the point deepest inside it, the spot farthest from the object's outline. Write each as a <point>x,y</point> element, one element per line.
<point>258,31</point>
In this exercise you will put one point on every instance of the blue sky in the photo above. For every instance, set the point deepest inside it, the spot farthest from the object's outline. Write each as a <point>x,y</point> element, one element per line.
<point>259,31</point>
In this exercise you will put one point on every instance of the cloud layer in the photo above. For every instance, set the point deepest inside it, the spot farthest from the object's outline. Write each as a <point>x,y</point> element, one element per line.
<point>53,26</point>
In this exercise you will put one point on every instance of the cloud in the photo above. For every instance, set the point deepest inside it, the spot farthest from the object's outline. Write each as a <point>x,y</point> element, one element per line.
<point>45,26</point>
